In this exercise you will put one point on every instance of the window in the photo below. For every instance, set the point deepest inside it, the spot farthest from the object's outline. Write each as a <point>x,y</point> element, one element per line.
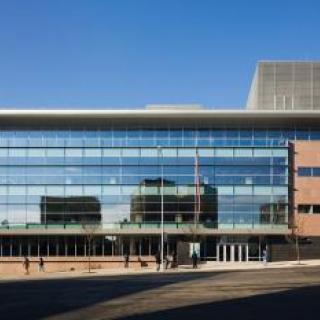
<point>111,152</point>
<point>15,152</point>
<point>304,172</point>
<point>261,191</point>
<point>73,152</point>
<point>316,209</point>
<point>224,152</point>
<point>92,152</point>
<point>309,172</point>
<point>242,190</point>
<point>148,152</point>
<point>206,152</point>
<point>262,152</point>
<point>3,152</point>
<point>36,152</point>
<point>222,190</point>
<point>132,152</point>
<point>242,152</point>
<point>186,153</point>
<point>55,152</point>
<point>316,172</point>
<point>309,208</point>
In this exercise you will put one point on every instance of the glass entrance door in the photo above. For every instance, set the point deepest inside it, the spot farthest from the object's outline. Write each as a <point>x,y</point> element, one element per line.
<point>232,252</point>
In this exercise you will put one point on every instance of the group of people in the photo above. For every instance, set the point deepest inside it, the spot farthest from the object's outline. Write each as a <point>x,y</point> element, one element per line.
<point>170,260</point>
<point>26,265</point>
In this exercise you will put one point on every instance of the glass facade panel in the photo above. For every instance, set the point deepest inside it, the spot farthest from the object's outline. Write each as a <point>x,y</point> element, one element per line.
<point>115,175</point>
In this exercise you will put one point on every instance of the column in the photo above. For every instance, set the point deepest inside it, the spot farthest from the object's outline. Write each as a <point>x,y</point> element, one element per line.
<point>217,252</point>
<point>240,253</point>
<point>102,243</point>
<point>232,253</point>
<point>224,253</point>
<point>247,252</point>
<point>11,247</point>
<point>48,249</point>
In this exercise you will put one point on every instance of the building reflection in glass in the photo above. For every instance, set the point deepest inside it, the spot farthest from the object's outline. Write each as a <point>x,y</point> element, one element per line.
<point>70,209</point>
<point>179,202</point>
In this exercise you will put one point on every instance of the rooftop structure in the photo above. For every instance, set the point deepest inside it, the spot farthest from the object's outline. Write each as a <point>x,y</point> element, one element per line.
<point>285,86</point>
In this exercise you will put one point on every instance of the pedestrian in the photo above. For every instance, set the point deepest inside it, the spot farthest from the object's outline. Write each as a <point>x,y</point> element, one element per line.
<point>41,265</point>
<point>26,265</point>
<point>158,260</point>
<point>126,260</point>
<point>264,257</point>
<point>174,262</point>
<point>194,260</point>
<point>168,261</point>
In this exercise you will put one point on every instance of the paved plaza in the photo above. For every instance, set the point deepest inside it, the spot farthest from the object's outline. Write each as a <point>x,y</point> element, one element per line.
<point>264,293</point>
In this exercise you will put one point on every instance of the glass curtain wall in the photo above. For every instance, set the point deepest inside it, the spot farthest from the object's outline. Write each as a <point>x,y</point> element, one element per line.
<point>115,176</point>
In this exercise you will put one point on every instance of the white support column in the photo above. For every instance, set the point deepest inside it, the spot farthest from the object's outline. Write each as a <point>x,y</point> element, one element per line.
<point>218,252</point>
<point>232,252</point>
<point>224,253</point>
<point>247,252</point>
<point>240,253</point>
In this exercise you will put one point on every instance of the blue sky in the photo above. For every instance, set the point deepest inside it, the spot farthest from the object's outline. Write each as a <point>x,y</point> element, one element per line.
<point>118,53</point>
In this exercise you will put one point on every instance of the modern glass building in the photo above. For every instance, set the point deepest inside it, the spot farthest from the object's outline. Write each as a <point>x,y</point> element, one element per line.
<point>224,179</point>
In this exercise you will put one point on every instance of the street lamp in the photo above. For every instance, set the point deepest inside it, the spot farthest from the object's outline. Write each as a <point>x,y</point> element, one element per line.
<point>160,154</point>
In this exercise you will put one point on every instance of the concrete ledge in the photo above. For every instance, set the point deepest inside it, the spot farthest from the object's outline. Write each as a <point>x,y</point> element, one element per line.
<point>14,265</point>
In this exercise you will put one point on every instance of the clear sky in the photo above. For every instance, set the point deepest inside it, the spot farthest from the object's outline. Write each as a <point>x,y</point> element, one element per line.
<point>118,53</point>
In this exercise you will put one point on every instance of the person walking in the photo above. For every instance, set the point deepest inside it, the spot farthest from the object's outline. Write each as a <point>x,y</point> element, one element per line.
<point>158,260</point>
<point>264,257</point>
<point>194,260</point>
<point>26,265</point>
<point>41,265</point>
<point>126,260</point>
<point>168,261</point>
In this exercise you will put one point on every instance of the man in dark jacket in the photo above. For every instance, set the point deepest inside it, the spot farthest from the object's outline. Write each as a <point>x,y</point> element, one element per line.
<point>158,260</point>
<point>194,260</point>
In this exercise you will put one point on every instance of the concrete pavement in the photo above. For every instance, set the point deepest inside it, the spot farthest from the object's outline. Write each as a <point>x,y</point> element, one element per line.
<point>265,293</point>
<point>208,267</point>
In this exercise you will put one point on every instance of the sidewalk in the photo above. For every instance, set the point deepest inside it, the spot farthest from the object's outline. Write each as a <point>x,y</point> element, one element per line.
<point>208,267</point>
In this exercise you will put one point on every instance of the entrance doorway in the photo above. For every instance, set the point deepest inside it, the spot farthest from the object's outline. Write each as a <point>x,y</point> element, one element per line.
<point>233,252</point>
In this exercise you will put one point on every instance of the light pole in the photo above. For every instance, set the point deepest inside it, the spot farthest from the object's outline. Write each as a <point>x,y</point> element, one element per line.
<point>160,156</point>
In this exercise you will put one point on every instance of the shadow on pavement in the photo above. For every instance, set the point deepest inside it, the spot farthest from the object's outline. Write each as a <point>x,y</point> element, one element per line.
<point>302,303</point>
<point>36,299</point>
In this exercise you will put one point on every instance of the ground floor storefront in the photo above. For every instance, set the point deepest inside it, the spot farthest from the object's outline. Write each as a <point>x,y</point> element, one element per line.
<point>72,252</point>
<point>210,248</point>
